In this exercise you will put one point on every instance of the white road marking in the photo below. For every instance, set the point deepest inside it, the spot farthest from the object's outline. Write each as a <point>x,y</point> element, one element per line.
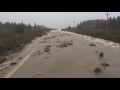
<point>20,64</point>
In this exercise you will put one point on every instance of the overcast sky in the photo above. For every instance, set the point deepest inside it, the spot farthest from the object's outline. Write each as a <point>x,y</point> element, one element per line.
<point>53,19</point>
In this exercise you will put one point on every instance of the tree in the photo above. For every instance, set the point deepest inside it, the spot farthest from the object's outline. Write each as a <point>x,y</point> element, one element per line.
<point>118,22</point>
<point>20,29</point>
<point>34,25</point>
<point>69,27</point>
<point>118,18</point>
<point>97,24</point>
<point>78,26</point>
<point>22,25</point>
<point>1,25</point>
<point>7,25</point>
<point>14,25</point>
<point>28,27</point>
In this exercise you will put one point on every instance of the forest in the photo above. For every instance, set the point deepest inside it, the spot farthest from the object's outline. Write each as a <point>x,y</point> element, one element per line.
<point>113,24</point>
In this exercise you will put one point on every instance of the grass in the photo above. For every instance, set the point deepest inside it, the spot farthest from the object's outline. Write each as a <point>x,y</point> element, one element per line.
<point>9,40</point>
<point>111,35</point>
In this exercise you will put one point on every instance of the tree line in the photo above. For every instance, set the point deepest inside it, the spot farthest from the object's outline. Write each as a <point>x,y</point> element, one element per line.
<point>14,36</point>
<point>97,29</point>
<point>20,27</point>
<point>113,24</point>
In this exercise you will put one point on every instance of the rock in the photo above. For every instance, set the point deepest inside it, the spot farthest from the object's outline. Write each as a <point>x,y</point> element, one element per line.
<point>48,45</point>
<point>97,70</point>
<point>68,35</point>
<point>46,38</point>
<point>13,63</point>
<point>49,56</point>
<point>39,73</point>
<point>46,49</point>
<point>2,59</point>
<point>20,58</point>
<point>42,42</point>
<point>104,64</point>
<point>69,43</point>
<point>65,44</point>
<point>101,54</point>
<point>49,53</point>
<point>33,55</point>
<point>6,67</point>
<point>58,41</point>
<point>96,51</point>
<point>54,36</point>
<point>92,45</point>
<point>57,45</point>
<point>39,51</point>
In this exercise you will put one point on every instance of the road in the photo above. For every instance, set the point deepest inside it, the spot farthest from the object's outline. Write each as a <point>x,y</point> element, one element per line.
<point>74,61</point>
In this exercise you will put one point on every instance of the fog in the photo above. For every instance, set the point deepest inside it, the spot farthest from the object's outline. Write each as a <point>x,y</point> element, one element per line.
<point>53,19</point>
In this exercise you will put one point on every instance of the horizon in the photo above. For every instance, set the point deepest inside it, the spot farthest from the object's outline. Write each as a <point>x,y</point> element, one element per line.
<point>53,19</point>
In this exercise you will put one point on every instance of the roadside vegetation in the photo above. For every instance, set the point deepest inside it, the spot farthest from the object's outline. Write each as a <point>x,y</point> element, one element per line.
<point>97,28</point>
<point>13,37</point>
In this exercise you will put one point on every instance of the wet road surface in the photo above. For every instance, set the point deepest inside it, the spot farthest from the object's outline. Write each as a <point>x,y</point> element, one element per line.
<point>77,60</point>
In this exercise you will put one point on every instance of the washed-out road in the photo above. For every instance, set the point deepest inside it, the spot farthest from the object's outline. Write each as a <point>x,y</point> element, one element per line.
<point>76,59</point>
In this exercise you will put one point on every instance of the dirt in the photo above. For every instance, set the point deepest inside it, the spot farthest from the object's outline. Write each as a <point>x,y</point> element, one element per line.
<point>13,63</point>
<point>64,44</point>
<point>97,70</point>
<point>3,57</point>
<point>92,45</point>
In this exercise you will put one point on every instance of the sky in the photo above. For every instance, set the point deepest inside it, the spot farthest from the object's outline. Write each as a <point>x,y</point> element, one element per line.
<point>53,19</point>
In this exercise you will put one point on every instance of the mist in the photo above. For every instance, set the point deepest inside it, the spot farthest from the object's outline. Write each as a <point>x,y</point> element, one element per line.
<point>53,19</point>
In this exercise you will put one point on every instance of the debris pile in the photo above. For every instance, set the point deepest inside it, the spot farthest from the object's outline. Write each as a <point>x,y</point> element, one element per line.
<point>13,63</point>
<point>46,49</point>
<point>54,36</point>
<point>48,45</point>
<point>20,58</point>
<point>64,44</point>
<point>97,70</point>
<point>104,64</point>
<point>101,54</point>
<point>92,45</point>
<point>2,59</point>
<point>37,53</point>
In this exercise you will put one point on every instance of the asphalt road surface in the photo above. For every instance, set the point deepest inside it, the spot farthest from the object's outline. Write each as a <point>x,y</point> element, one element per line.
<point>68,55</point>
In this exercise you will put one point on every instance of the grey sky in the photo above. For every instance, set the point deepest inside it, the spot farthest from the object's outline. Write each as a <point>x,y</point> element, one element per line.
<point>53,19</point>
